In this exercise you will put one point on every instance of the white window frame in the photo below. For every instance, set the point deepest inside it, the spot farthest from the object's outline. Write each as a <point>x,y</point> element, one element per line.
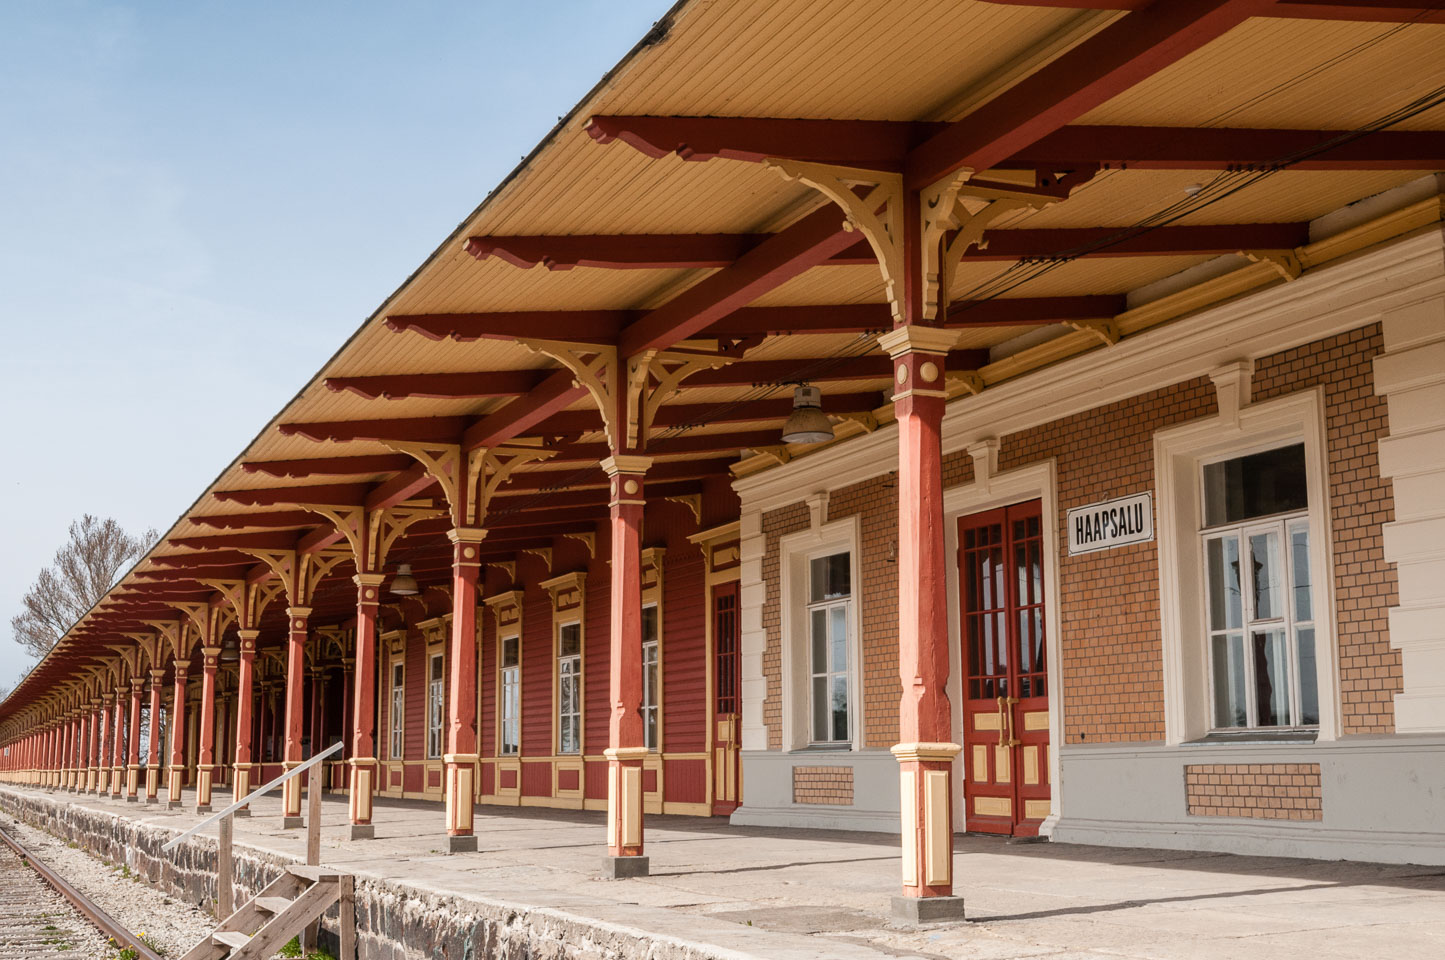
<point>829,670</point>
<point>503,683</point>
<point>436,699</point>
<point>1179,455</point>
<point>652,694</point>
<point>795,553</point>
<point>1283,525</point>
<point>396,716</point>
<point>574,674</point>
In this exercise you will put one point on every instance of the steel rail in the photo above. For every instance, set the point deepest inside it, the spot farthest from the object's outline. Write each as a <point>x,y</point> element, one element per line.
<point>107,924</point>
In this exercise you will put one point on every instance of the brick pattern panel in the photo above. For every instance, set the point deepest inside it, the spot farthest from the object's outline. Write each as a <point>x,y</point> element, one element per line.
<point>1258,791</point>
<point>776,524</point>
<point>875,503</point>
<point>828,785</point>
<point>1360,501</point>
<point>1112,670</point>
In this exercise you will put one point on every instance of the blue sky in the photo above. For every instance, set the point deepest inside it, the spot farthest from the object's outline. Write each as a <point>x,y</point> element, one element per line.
<point>199,201</point>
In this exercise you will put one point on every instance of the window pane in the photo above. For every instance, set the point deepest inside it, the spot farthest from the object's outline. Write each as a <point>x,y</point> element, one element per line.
<point>436,668</point>
<point>1228,656</point>
<point>840,708</point>
<point>838,637</point>
<point>1259,485</point>
<point>1271,678</point>
<point>1299,546</point>
<point>509,652</point>
<point>1266,575</point>
<point>1225,612</point>
<point>820,708</point>
<point>820,641</point>
<point>569,639</point>
<point>829,578</point>
<point>1309,697</point>
<point>649,624</point>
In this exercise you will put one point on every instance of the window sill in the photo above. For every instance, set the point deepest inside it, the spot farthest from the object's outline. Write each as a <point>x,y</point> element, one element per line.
<point>825,748</point>
<point>1254,737</point>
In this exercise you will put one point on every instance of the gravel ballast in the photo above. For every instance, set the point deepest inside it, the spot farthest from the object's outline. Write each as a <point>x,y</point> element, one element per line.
<point>174,927</point>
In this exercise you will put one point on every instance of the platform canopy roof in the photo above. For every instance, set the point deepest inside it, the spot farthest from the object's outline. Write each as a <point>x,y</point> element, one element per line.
<point>1161,157</point>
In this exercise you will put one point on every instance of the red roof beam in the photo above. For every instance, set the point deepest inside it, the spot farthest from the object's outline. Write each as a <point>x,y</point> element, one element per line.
<point>276,519</point>
<point>477,386</point>
<point>699,414</point>
<point>1388,11</point>
<point>405,429</point>
<point>333,494</point>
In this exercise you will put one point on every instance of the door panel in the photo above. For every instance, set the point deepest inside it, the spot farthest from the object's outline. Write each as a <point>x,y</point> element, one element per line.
<point>727,699</point>
<point>1006,707</point>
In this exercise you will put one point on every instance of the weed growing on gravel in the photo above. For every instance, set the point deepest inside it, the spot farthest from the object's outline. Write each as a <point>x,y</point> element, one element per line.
<point>293,949</point>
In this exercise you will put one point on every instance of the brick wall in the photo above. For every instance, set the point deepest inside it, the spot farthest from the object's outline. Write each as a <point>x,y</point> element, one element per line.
<point>875,503</point>
<point>830,785</point>
<point>1259,791</point>
<point>1112,672</point>
<point>776,524</point>
<point>1360,501</point>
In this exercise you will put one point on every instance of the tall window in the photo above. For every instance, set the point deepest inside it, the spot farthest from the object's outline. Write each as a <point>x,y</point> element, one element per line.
<point>569,688</point>
<point>435,705</point>
<point>1256,545</point>
<point>398,707</point>
<point>650,689</point>
<point>830,596</point>
<point>511,691</point>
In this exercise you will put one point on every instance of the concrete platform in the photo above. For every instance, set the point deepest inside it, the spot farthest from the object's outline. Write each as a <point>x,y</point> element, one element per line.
<point>736,893</point>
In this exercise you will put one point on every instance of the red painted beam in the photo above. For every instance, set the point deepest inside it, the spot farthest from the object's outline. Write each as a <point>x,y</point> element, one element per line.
<point>208,555</point>
<point>408,484</point>
<point>329,466</point>
<point>783,256</point>
<point>408,429</point>
<point>497,383</point>
<point>700,414</point>
<point>276,519</point>
<point>336,494</point>
<point>276,540</point>
<point>1116,58</point>
<point>585,326</point>
<point>866,144</point>
<point>554,395</point>
<point>1380,11</point>
<point>1232,148</point>
<point>617,251</point>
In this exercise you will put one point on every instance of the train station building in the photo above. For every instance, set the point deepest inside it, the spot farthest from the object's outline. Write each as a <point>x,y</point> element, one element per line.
<point>924,418</point>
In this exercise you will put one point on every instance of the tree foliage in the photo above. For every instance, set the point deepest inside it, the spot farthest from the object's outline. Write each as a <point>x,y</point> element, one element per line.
<point>82,571</point>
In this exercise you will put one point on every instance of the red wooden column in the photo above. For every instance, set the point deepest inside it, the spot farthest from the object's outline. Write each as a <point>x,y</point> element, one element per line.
<point>362,762</point>
<point>343,773</point>
<point>102,744</point>
<point>461,754</point>
<point>925,752</point>
<point>88,748</point>
<point>132,767</point>
<point>206,754</point>
<point>245,698</point>
<point>77,738</point>
<point>295,692</point>
<point>47,770</point>
<point>626,746</point>
<point>153,738</point>
<point>318,713</point>
<point>177,726</point>
<point>117,753</point>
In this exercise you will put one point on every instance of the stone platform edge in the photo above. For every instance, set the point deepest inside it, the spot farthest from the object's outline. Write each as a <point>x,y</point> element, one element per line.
<point>395,920</point>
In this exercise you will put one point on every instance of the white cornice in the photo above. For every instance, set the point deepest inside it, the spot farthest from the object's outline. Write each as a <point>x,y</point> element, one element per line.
<point>1324,301</point>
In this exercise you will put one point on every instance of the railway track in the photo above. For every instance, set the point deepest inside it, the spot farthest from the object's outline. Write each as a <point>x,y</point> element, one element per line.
<point>43,916</point>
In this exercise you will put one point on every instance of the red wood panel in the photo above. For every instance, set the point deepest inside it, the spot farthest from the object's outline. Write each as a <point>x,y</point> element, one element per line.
<point>684,653</point>
<point>415,720</point>
<point>596,780</point>
<point>685,781</point>
<point>412,781</point>
<point>537,779</point>
<point>568,779</point>
<point>596,643</point>
<point>649,781</point>
<point>487,782</point>
<point>508,779</point>
<point>487,684</point>
<point>536,670</point>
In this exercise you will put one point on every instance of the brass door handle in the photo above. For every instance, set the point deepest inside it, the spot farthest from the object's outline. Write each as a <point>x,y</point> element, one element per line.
<point>1006,722</point>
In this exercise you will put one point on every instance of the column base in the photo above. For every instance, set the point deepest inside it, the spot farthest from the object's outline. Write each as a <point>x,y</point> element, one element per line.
<point>363,831</point>
<point>915,910</point>
<point>173,804</point>
<point>623,868</point>
<point>151,800</point>
<point>466,844</point>
<point>203,808</point>
<point>243,812</point>
<point>291,823</point>
<point>131,799</point>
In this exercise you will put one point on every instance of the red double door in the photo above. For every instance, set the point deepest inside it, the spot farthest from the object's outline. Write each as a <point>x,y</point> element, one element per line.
<point>1006,697</point>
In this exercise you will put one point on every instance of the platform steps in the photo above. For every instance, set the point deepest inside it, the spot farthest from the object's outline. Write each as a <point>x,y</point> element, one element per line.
<point>290,904</point>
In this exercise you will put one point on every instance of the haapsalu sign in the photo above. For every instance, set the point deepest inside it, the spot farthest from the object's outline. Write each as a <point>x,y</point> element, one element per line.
<point>1112,523</point>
